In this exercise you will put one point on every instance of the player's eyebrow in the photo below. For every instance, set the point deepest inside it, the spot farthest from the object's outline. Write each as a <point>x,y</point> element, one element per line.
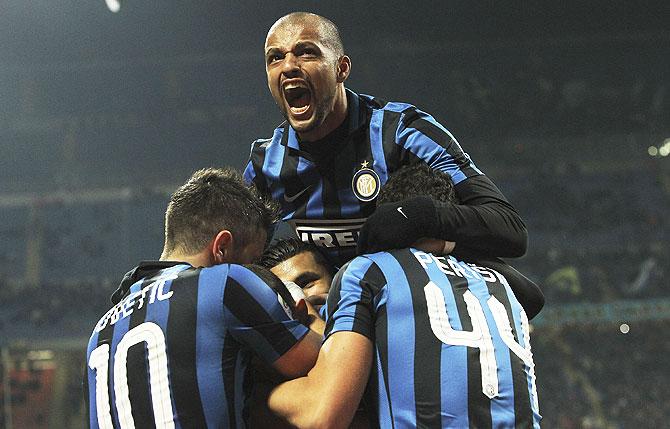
<point>305,44</point>
<point>306,277</point>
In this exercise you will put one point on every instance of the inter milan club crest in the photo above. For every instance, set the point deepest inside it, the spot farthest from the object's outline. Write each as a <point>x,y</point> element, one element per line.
<point>366,183</point>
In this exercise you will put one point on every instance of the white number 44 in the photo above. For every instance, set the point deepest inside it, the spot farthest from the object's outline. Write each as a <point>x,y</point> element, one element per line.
<point>480,336</point>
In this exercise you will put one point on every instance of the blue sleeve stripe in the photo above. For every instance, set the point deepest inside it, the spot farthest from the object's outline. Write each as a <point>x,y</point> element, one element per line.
<point>397,107</point>
<point>344,316</point>
<point>259,291</point>
<point>419,133</point>
<point>249,173</point>
<point>377,145</point>
<point>274,157</point>
<point>255,317</point>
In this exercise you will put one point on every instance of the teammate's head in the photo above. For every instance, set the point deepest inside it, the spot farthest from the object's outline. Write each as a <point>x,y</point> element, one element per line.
<point>218,217</point>
<point>301,263</point>
<point>416,181</point>
<point>306,69</point>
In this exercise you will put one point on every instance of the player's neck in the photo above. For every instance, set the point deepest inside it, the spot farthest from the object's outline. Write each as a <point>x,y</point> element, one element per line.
<point>197,260</point>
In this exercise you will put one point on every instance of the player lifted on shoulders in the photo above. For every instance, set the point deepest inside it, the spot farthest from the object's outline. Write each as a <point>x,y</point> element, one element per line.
<point>326,163</point>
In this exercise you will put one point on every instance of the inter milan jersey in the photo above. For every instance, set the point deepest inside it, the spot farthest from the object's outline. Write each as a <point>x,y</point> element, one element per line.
<point>452,344</point>
<point>327,189</point>
<point>173,352</point>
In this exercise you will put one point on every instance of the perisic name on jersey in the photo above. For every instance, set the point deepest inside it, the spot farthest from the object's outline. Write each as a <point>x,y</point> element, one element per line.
<point>450,266</point>
<point>123,309</point>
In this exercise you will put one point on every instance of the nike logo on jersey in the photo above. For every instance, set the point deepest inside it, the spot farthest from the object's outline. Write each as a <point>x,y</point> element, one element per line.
<point>296,196</point>
<point>400,211</point>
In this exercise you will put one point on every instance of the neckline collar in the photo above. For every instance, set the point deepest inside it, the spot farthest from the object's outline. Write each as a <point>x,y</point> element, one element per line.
<point>143,270</point>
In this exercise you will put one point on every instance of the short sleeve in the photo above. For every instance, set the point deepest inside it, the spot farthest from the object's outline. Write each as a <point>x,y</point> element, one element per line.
<point>353,299</point>
<point>255,317</point>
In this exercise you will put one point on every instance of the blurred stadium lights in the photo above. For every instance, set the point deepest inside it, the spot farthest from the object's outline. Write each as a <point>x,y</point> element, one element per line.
<point>662,150</point>
<point>113,5</point>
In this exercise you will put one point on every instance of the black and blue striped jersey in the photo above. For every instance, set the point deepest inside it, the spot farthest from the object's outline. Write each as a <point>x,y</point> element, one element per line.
<point>452,343</point>
<point>173,352</point>
<point>327,189</point>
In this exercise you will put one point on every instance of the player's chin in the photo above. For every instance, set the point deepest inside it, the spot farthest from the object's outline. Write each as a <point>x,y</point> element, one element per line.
<point>301,124</point>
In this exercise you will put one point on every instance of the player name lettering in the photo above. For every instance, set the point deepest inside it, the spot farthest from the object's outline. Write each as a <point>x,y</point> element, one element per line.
<point>450,266</point>
<point>155,292</point>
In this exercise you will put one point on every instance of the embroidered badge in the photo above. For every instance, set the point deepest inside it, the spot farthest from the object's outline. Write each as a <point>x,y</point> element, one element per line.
<point>365,183</point>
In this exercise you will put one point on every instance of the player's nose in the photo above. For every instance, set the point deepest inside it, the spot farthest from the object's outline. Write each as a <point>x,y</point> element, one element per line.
<point>291,65</point>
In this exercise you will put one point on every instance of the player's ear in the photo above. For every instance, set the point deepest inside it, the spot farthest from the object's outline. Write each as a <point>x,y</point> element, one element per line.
<point>343,68</point>
<point>222,247</point>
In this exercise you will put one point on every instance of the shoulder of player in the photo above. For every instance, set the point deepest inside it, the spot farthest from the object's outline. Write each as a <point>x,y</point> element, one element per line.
<point>264,143</point>
<point>247,279</point>
<point>407,115</point>
<point>375,103</point>
<point>363,267</point>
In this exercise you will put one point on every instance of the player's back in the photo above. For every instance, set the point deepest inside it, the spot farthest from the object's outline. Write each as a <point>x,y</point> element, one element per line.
<point>451,341</point>
<point>174,351</point>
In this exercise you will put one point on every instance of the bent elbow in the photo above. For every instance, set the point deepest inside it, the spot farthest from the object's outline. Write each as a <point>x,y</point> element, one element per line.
<point>518,243</point>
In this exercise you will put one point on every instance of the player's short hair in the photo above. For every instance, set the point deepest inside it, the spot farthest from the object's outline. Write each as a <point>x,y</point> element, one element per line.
<point>416,181</point>
<point>212,200</point>
<point>329,31</point>
<point>287,248</point>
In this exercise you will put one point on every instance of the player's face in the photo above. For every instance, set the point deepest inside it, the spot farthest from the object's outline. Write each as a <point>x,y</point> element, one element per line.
<point>302,74</point>
<point>306,272</point>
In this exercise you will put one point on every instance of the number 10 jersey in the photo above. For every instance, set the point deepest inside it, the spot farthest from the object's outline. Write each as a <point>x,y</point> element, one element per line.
<point>173,352</point>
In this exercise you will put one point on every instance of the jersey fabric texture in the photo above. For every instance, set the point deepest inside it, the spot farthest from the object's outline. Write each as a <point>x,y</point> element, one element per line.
<point>451,341</point>
<point>173,352</point>
<point>327,189</point>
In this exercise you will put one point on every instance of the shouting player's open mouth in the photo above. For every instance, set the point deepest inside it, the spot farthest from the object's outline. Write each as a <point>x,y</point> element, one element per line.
<point>298,98</point>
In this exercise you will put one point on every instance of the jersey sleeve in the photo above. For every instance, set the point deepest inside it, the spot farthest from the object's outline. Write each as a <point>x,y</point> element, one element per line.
<point>354,297</point>
<point>484,222</point>
<point>253,172</point>
<point>255,317</point>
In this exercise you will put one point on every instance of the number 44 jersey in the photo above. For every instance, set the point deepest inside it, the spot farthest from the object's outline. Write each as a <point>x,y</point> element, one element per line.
<point>452,343</point>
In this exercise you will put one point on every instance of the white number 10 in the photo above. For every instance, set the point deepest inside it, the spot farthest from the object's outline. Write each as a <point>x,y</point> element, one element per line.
<point>480,336</point>
<point>151,334</point>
